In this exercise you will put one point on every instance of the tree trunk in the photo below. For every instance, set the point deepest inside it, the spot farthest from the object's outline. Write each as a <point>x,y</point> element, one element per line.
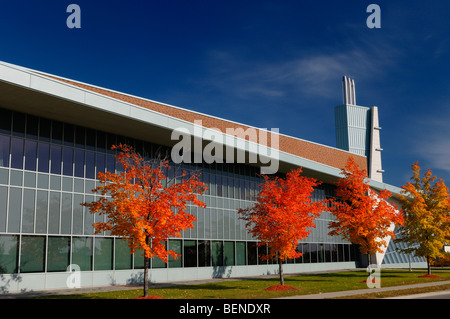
<point>146,262</point>
<point>280,266</point>
<point>428,265</point>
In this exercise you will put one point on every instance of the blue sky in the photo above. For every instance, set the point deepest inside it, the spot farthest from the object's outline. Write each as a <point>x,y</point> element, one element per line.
<point>272,64</point>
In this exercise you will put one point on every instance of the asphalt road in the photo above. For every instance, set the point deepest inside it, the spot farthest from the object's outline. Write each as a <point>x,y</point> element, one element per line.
<point>429,295</point>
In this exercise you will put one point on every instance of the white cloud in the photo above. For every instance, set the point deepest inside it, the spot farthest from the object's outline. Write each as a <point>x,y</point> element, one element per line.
<point>315,75</point>
<point>430,139</point>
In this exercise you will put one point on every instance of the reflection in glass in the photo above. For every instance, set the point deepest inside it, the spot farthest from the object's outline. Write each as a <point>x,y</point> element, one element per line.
<point>4,150</point>
<point>32,254</point>
<point>82,252</point>
<point>30,155</point>
<point>79,163</point>
<point>58,253</point>
<point>56,159</point>
<point>67,161</point>
<point>122,254</point>
<point>103,257</point>
<point>17,153</point>
<point>15,206</point>
<point>28,211</point>
<point>43,157</point>
<point>9,251</point>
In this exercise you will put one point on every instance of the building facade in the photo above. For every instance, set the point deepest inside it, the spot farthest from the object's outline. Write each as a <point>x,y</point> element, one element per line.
<point>55,136</point>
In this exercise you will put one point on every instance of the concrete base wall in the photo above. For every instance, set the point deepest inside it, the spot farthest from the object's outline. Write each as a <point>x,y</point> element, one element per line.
<point>63,280</point>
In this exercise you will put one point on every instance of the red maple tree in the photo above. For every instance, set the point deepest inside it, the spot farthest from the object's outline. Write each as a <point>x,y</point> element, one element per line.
<point>363,216</point>
<point>283,214</point>
<point>143,207</point>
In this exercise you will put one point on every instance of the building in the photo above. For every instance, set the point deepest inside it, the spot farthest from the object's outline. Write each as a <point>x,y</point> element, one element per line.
<point>55,135</point>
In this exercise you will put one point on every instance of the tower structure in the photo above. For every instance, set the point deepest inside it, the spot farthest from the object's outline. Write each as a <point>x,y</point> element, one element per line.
<point>358,130</point>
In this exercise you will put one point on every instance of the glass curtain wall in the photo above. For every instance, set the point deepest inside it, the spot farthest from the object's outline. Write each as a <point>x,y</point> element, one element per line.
<point>47,168</point>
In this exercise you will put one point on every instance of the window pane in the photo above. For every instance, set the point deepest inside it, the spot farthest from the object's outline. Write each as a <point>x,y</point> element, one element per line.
<point>175,245</point>
<point>28,211</point>
<point>56,159</point>
<point>240,253</point>
<point>68,134</point>
<point>30,179</point>
<point>204,253</point>
<point>138,259</point>
<point>44,129</point>
<point>82,252</point>
<point>4,150</point>
<point>3,207</point>
<point>346,252</point>
<point>354,251</point>
<point>90,165</point>
<point>158,262</point>
<point>334,252</point>
<point>5,121</point>
<point>67,184</point>
<point>41,211</point>
<point>16,153</point>
<point>228,253</point>
<point>54,213</point>
<point>18,124</point>
<point>217,253</point>
<point>4,176</point>
<point>43,157</point>
<point>32,127</point>
<point>68,161</point>
<point>9,250</point>
<point>57,130</point>
<point>88,217</point>
<point>15,207</point>
<point>101,142</point>
<point>79,163</point>
<point>313,252</point>
<point>66,213</point>
<point>77,214</point>
<point>190,253</point>
<point>110,163</point>
<point>306,253</point>
<point>100,162</point>
<point>79,136</point>
<point>30,155</point>
<point>15,178</point>
<point>32,254</point>
<point>252,255</point>
<point>103,254</point>
<point>90,139</point>
<point>58,253</point>
<point>122,254</point>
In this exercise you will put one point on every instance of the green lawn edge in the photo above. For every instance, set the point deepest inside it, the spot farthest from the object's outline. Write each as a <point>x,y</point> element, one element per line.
<point>255,288</point>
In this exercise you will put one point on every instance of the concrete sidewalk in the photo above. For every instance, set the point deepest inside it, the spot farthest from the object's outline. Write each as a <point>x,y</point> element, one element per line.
<point>357,292</point>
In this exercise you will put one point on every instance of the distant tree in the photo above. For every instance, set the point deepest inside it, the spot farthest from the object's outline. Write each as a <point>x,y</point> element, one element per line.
<point>143,207</point>
<point>363,216</point>
<point>283,214</point>
<point>426,206</point>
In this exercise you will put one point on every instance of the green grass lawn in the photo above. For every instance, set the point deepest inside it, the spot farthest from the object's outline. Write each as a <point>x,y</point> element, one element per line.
<point>255,288</point>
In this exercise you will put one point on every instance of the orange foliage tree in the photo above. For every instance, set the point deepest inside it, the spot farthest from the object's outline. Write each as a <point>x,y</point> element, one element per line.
<point>143,207</point>
<point>282,215</point>
<point>362,215</point>
<point>426,205</point>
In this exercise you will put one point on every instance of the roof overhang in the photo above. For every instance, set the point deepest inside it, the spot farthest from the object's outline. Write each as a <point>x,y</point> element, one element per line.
<point>32,92</point>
